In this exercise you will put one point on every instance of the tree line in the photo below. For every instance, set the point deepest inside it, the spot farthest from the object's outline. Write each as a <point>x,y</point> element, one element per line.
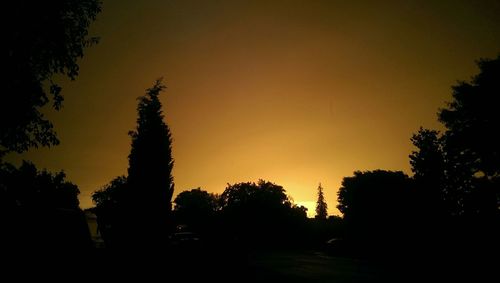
<point>453,197</point>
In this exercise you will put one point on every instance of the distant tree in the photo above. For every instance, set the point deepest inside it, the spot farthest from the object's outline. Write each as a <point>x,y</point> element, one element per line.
<point>40,209</point>
<point>150,164</point>
<point>196,208</point>
<point>299,211</point>
<point>111,193</point>
<point>110,209</point>
<point>44,39</point>
<point>260,211</point>
<point>321,206</point>
<point>264,194</point>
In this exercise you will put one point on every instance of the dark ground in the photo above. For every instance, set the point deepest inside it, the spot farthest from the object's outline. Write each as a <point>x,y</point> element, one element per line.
<point>236,265</point>
<point>310,266</point>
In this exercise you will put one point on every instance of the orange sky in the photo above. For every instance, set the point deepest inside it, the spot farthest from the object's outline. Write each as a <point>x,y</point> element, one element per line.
<point>295,92</point>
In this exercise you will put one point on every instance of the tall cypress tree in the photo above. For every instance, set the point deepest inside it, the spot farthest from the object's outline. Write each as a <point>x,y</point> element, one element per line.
<point>321,206</point>
<point>150,179</point>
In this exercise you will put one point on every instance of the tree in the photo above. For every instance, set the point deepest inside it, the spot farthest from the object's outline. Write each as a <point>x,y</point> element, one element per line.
<point>321,206</point>
<point>428,166</point>
<point>40,209</point>
<point>27,187</point>
<point>472,150</point>
<point>376,204</point>
<point>462,166</point>
<point>196,208</point>
<point>111,194</point>
<point>110,209</point>
<point>261,212</point>
<point>471,142</point>
<point>151,163</point>
<point>472,119</point>
<point>44,39</point>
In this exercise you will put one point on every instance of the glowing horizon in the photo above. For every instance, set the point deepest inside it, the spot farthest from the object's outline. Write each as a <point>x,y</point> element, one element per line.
<point>296,93</point>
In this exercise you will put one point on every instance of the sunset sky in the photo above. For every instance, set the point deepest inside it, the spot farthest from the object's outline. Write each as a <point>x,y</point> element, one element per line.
<point>294,92</point>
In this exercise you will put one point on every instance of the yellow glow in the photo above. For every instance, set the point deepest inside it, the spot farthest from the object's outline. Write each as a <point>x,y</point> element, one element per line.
<point>311,207</point>
<point>294,92</point>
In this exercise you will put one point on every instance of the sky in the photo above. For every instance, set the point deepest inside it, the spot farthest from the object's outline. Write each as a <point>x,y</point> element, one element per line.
<point>294,92</point>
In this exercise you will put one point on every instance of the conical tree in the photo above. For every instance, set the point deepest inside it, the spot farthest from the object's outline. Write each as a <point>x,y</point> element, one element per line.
<point>150,165</point>
<point>321,206</point>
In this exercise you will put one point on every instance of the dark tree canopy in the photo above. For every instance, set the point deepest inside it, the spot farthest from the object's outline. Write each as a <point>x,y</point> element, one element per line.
<point>457,173</point>
<point>428,166</point>
<point>375,198</point>
<point>195,207</point>
<point>264,194</point>
<point>27,187</point>
<point>43,39</point>
<point>321,206</point>
<point>260,210</point>
<point>135,210</point>
<point>462,165</point>
<point>427,162</point>
<point>111,194</point>
<point>40,209</point>
<point>472,119</point>
<point>151,162</point>
<point>150,159</point>
<point>111,210</point>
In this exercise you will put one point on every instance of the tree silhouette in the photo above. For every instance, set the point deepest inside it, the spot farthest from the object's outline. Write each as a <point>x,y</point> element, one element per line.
<point>321,206</point>
<point>111,203</point>
<point>457,173</point>
<point>110,194</point>
<point>428,166</point>
<point>150,165</point>
<point>196,208</point>
<point>40,209</point>
<point>463,165</point>
<point>260,212</point>
<point>472,144</point>
<point>472,117</point>
<point>44,38</point>
<point>377,207</point>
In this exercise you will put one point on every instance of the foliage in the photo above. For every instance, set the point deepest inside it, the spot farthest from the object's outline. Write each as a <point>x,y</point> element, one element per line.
<point>429,169</point>
<point>456,172</point>
<point>375,202</point>
<point>40,209</point>
<point>428,162</point>
<point>260,211</point>
<point>112,193</point>
<point>150,159</point>
<point>144,196</point>
<point>472,119</point>
<point>111,210</point>
<point>150,182</point>
<point>28,188</point>
<point>265,194</point>
<point>321,206</point>
<point>196,208</point>
<point>44,39</point>
<point>472,144</point>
